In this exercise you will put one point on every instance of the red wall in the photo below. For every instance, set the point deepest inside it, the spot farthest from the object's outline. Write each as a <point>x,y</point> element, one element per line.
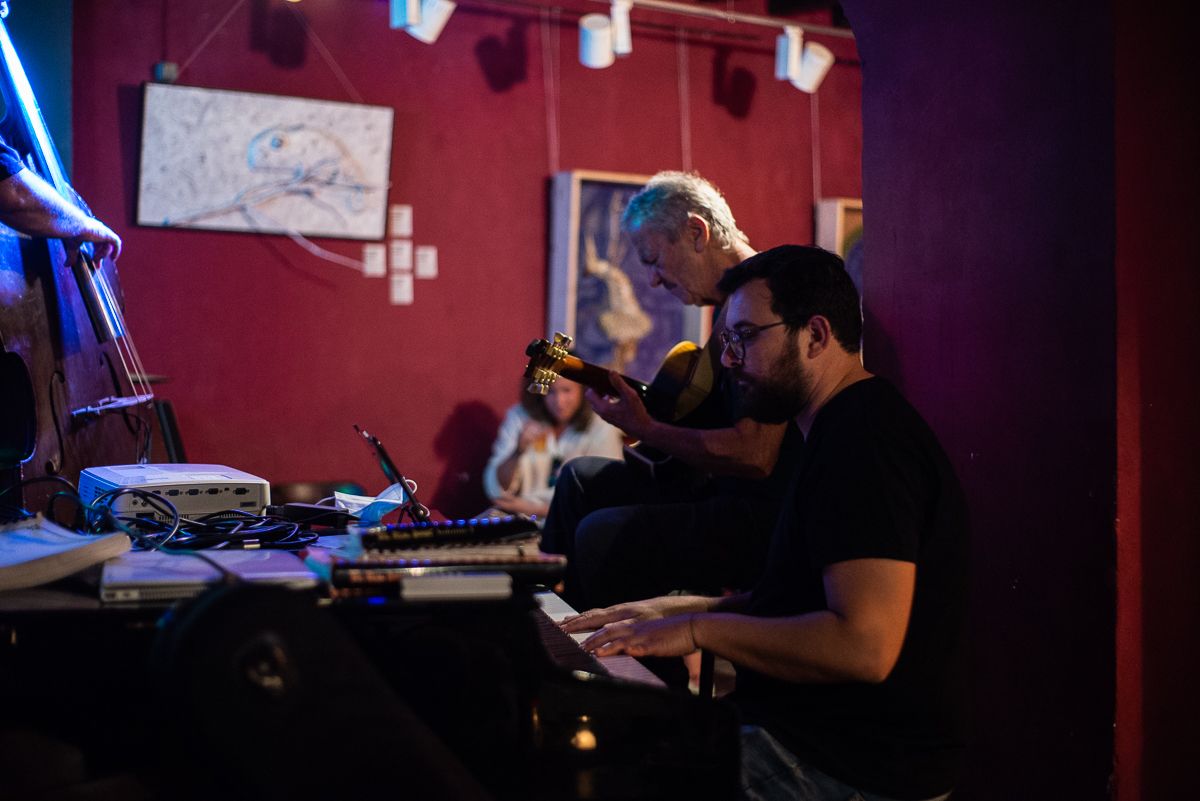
<point>1158,394</point>
<point>273,353</point>
<point>989,195</point>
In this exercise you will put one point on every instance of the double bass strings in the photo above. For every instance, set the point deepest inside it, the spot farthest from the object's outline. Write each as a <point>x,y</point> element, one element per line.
<point>52,166</point>
<point>131,360</point>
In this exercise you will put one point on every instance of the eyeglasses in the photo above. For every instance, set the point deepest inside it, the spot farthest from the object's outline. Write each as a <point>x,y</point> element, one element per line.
<point>735,339</point>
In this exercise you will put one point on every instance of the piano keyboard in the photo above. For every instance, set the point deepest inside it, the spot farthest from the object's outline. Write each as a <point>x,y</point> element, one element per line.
<point>565,651</point>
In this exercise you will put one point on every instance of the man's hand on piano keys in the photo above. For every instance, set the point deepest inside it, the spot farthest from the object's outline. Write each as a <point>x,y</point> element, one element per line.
<point>669,636</point>
<point>637,611</point>
<point>656,627</point>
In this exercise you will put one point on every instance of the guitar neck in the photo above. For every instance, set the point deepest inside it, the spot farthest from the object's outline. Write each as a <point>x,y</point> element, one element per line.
<point>596,377</point>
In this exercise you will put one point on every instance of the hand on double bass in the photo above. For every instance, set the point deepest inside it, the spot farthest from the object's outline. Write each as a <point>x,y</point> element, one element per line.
<point>105,242</point>
<point>30,205</point>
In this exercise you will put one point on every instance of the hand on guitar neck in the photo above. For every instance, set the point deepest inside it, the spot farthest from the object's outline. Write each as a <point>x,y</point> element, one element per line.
<point>622,407</point>
<point>671,414</point>
<point>746,448</point>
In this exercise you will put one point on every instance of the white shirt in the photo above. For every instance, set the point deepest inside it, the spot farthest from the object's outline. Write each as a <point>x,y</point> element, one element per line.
<point>535,467</point>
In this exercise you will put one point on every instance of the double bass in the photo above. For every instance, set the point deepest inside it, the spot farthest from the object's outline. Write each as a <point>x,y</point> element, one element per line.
<point>72,388</point>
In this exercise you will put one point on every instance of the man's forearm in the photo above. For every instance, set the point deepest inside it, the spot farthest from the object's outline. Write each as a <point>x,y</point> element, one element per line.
<point>729,603</point>
<point>30,205</point>
<point>816,647</point>
<point>747,450</point>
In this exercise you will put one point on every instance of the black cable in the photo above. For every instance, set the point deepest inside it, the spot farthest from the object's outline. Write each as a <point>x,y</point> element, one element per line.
<point>230,529</point>
<point>81,507</point>
<point>103,505</point>
<point>36,480</point>
<point>15,513</point>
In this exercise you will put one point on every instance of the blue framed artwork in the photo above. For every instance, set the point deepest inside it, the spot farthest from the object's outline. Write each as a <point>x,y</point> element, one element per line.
<point>599,291</point>
<point>840,231</point>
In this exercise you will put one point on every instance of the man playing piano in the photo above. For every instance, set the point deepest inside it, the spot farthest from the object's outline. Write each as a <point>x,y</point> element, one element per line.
<point>627,537</point>
<point>849,651</point>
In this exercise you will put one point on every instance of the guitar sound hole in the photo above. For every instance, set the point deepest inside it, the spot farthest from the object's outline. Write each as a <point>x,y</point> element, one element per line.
<point>18,415</point>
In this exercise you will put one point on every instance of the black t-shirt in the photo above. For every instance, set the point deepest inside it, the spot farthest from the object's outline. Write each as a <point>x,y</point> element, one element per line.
<point>873,482</point>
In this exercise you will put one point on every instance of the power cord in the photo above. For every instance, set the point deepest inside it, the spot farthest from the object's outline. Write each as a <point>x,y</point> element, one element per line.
<point>12,513</point>
<point>232,529</point>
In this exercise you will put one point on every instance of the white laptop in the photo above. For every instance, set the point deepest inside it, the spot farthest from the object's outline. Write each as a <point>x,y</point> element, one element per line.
<point>154,576</point>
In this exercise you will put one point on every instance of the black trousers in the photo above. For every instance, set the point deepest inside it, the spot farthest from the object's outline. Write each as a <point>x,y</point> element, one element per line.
<point>627,538</point>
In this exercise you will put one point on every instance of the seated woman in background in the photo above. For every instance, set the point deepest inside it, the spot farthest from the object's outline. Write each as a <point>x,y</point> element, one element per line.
<point>537,437</point>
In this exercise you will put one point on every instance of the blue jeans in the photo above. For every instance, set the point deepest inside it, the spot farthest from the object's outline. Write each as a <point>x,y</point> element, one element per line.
<point>771,772</point>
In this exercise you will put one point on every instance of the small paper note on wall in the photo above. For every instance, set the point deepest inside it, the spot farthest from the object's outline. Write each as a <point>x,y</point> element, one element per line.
<point>400,218</point>
<point>427,261</point>
<point>374,260</point>
<point>402,255</point>
<point>401,289</point>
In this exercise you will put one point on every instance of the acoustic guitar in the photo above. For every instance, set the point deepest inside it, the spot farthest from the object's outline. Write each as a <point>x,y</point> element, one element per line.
<point>681,393</point>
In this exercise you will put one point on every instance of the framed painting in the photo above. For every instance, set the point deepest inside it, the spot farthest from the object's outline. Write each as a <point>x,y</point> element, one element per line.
<point>240,161</point>
<point>599,291</point>
<point>839,227</point>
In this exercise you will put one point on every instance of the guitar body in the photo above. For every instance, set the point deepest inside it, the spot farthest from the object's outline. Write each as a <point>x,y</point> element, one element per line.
<point>686,381</point>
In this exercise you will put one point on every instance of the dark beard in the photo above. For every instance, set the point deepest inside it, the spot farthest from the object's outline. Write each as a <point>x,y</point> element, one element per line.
<point>776,398</point>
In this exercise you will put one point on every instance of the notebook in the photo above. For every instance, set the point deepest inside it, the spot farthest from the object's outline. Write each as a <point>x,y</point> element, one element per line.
<point>155,576</point>
<point>38,551</point>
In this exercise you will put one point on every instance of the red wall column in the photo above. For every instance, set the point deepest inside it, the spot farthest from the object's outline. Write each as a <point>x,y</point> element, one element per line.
<point>1158,395</point>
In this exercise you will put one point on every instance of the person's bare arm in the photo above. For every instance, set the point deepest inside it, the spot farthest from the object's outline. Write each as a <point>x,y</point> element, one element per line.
<point>858,638</point>
<point>747,449</point>
<point>650,609</point>
<point>30,205</point>
<point>515,504</point>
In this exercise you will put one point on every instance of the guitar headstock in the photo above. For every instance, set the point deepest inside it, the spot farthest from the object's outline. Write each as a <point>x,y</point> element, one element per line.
<point>545,362</point>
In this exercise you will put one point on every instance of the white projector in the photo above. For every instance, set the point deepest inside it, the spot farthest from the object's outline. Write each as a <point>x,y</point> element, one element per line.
<point>194,489</point>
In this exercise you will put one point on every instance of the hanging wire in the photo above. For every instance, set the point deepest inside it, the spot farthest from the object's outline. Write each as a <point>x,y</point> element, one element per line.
<point>685,99</point>
<point>211,35</point>
<point>255,218</point>
<point>550,45</point>
<point>814,120</point>
<point>325,53</point>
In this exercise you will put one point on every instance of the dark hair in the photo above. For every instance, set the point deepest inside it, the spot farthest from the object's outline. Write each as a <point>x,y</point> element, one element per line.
<point>804,281</point>
<point>535,407</point>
